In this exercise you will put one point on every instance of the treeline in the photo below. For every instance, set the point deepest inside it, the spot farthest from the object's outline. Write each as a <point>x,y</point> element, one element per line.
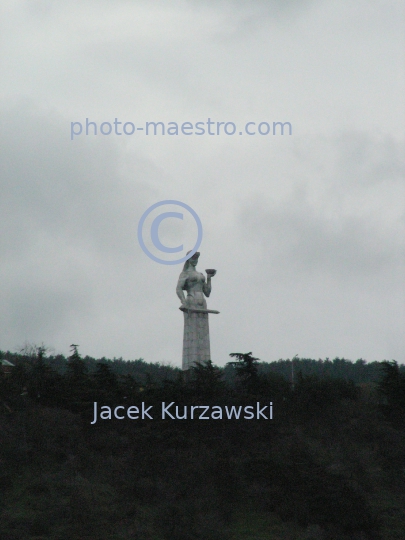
<point>359,371</point>
<point>59,363</point>
<point>328,466</point>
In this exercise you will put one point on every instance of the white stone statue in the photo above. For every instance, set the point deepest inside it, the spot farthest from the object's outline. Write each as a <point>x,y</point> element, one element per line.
<point>196,340</point>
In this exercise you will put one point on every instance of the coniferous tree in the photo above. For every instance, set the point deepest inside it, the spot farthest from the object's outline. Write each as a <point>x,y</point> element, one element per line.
<point>106,383</point>
<point>77,381</point>
<point>246,368</point>
<point>44,384</point>
<point>207,379</point>
<point>392,388</point>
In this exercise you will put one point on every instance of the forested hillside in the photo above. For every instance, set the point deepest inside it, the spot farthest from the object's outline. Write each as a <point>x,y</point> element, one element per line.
<point>359,371</point>
<point>328,465</point>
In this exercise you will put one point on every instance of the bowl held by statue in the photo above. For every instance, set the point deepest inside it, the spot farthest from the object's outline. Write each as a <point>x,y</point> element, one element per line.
<point>211,271</point>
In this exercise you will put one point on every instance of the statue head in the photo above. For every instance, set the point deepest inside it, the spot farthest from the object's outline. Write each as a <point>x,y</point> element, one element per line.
<point>192,261</point>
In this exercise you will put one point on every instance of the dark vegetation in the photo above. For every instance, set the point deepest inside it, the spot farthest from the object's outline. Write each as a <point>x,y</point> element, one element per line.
<point>329,466</point>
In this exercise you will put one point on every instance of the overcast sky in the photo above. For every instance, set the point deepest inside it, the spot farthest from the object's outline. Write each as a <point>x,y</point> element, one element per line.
<point>306,231</point>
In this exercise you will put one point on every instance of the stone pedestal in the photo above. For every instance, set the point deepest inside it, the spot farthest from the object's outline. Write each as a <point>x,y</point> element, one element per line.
<point>196,339</point>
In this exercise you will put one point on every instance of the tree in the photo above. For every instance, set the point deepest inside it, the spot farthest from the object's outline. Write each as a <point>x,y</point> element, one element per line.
<point>106,382</point>
<point>76,368</point>
<point>78,384</point>
<point>392,388</point>
<point>207,379</point>
<point>44,382</point>
<point>246,366</point>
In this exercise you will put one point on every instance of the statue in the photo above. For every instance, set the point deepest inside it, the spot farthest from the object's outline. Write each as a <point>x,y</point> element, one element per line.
<point>196,340</point>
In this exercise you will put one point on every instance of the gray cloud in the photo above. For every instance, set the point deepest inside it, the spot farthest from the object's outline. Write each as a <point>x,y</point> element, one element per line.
<point>69,213</point>
<point>345,221</point>
<point>307,231</point>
